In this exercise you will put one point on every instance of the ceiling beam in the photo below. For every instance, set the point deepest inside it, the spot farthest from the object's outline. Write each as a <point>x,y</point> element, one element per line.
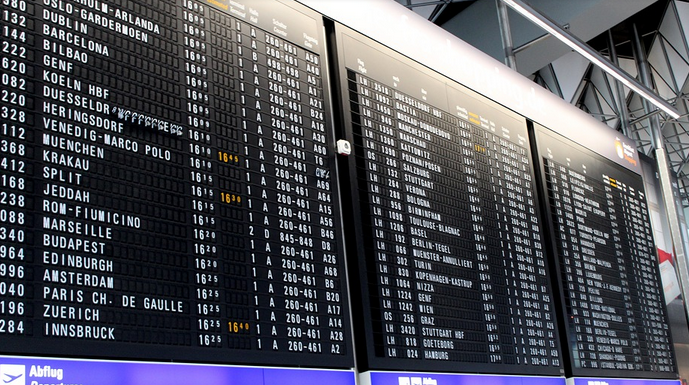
<point>592,55</point>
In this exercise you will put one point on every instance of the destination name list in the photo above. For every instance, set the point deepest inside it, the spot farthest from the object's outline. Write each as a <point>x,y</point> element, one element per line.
<point>614,302</point>
<point>166,181</point>
<point>454,252</point>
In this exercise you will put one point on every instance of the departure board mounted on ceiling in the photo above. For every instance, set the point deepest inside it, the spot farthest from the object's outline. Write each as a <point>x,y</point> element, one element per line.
<point>450,274</point>
<point>612,305</point>
<point>166,188</point>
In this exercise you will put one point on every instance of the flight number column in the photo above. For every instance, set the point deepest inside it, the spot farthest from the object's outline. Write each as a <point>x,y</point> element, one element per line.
<point>584,354</point>
<point>204,197</point>
<point>15,151</point>
<point>395,328</point>
<point>392,227</point>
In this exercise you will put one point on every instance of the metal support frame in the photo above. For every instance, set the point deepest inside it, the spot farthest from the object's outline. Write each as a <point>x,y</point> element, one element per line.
<point>663,171</point>
<point>619,89</point>
<point>506,35</point>
<point>592,55</point>
<point>440,6</point>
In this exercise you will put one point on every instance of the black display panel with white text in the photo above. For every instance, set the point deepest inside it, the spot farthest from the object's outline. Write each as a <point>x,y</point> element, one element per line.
<point>613,310</point>
<point>166,188</point>
<point>449,271</point>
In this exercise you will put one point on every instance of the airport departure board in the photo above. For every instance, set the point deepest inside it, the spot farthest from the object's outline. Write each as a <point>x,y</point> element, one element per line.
<point>169,191</point>
<point>614,312</point>
<point>167,187</point>
<point>451,270</point>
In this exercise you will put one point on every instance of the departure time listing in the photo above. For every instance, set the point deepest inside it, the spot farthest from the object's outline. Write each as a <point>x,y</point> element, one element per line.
<point>166,182</point>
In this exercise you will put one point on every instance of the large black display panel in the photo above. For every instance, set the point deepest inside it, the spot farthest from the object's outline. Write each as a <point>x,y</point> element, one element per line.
<point>612,301</point>
<point>166,186</point>
<point>450,274</point>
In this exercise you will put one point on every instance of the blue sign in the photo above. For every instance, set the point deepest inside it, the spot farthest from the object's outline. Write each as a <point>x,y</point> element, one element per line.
<point>619,381</point>
<point>42,371</point>
<point>398,378</point>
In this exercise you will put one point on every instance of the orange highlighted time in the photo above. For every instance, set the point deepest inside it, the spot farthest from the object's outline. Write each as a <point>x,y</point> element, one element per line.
<point>227,157</point>
<point>238,327</point>
<point>230,198</point>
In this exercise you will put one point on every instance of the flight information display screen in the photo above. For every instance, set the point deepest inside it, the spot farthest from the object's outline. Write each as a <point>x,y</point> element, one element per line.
<point>167,183</point>
<point>613,307</point>
<point>451,271</point>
